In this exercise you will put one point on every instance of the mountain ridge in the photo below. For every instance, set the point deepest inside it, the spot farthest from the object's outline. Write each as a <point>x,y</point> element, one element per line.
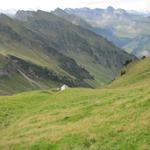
<point>69,50</point>
<point>117,25</point>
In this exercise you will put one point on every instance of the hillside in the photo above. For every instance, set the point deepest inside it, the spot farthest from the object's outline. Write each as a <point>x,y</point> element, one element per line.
<point>115,117</point>
<point>119,26</point>
<point>136,73</point>
<point>18,75</point>
<point>75,54</point>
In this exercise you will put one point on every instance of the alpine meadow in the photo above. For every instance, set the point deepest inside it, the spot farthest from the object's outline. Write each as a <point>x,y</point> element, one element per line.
<point>74,75</point>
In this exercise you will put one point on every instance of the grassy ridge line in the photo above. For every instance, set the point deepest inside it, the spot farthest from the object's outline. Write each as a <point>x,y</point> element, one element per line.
<point>137,72</point>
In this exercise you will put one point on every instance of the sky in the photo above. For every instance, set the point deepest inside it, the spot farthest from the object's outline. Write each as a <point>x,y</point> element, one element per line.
<point>139,5</point>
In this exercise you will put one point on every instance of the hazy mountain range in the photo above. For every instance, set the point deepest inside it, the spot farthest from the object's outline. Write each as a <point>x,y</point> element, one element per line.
<point>121,27</point>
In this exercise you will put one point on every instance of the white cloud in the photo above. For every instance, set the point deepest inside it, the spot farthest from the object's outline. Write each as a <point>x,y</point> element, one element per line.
<point>52,4</point>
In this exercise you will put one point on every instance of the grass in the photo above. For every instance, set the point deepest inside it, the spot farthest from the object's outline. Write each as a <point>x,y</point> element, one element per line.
<point>113,118</point>
<point>137,72</point>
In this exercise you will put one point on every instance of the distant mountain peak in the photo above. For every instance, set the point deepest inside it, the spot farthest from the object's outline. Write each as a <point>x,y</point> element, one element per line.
<point>121,11</point>
<point>59,11</point>
<point>110,8</point>
<point>23,15</point>
<point>71,18</point>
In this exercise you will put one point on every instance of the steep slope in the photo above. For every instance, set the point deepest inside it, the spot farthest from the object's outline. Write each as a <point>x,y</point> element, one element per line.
<point>76,42</point>
<point>47,40</point>
<point>17,75</point>
<point>23,43</point>
<point>15,78</point>
<point>117,117</point>
<point>105,32</point>
<point>72,18</point>
<point>117,25</point>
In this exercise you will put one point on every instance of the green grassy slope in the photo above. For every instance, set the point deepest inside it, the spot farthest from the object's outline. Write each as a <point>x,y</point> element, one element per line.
<point>136,73</point>
<point>114,118</point>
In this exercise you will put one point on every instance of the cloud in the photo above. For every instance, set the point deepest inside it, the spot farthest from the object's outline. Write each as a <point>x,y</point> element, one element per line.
<point>52,4</point>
